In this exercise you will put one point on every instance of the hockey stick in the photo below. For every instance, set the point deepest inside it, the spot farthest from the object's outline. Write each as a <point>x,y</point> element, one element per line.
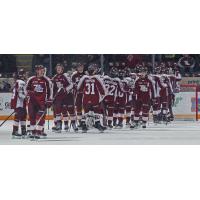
<point>48,117</point>
<point>54,98</point>
<point>40,118</point>
<point>7,118</point>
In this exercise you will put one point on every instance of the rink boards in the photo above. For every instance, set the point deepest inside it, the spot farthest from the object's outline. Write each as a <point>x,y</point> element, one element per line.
<point>184,106</point>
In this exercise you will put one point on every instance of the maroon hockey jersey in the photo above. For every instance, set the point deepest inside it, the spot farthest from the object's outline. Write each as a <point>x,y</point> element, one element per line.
<point>144,89</point>
<point>111,89</point>
<point>62,84</point>
<point>92,88</point>
<point>40,88</point>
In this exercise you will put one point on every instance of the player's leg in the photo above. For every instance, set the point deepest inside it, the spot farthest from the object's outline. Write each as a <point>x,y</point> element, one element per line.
<point>15,132</point>
<point>66,117</point>
<point>40,117</point>
<point>58,104</point>
<point>170,103</point>
<point>121,112</point>
<point>133,109</point>
<point>145,113</point>
<point>22,119</point>
<point>110,110</point>
<point>128,113</point>
<point>71,111</point>
<point>98,113</point>
<point>164,110</point>
<point>155,110</point>
<point>79,107</point>
<point>54,120</point>
<point>32,110</point>
<point>83,120</point>
<point>115,114</point>
<point>137,110</point>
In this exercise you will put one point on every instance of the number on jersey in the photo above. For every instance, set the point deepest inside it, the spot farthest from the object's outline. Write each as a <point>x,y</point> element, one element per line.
<point>110,89</point>
<point>89,88</point>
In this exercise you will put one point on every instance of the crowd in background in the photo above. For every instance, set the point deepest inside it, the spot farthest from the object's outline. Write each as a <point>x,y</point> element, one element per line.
<point>187,64</point>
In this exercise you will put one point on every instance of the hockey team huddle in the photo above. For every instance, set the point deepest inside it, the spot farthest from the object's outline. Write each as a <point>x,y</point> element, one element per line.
<point>118,99</point>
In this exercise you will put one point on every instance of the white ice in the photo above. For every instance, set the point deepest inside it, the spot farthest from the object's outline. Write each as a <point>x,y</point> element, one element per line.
<point>178,132</point>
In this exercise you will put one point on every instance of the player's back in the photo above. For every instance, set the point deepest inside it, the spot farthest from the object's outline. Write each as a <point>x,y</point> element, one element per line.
<point>93,89</point>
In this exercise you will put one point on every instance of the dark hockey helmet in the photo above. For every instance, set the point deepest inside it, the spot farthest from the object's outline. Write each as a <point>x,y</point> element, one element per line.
<point>113,72</point>
<point>121,73</point>
<point>138,68</point>
<point>123,65</point>
<point>133,76</point>
<point>127,71</point>
<point>157,70</point>
<point>21,73</point>
<point>92,69</point>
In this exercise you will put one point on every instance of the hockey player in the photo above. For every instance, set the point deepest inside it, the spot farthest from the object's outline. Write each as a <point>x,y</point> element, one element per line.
<point>76,76</point>
<point>39,94</point>
<point>133,77</point>
<point>145,92</point>
<point>63,99</point>
<point>110,98</point>
<point>121,99</point>
<point>166,94</point>
<point>174,77</point>
<point>160,95</point>
<point>93,93</point>
<point>18,103</point>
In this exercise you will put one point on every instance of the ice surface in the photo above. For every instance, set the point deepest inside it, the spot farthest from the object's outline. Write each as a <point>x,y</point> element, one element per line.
<point>175,133</point>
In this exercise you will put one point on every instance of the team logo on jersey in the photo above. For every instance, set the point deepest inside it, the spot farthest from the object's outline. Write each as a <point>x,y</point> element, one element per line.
<point>38,88</point>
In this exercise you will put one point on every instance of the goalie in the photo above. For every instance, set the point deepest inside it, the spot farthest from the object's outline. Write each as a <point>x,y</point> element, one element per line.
<point>93,93</point>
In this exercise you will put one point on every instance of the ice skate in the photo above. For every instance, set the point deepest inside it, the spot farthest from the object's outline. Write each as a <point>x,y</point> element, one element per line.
<point>34,136</point>
<point>99,127</point>
<point>165,119</point>
<point>135,125</point>
<point>79,124</point>
<point>155,119</point>
<point>43,135</point>
<point>58,127</point>
<point>54,129</point>
<point>144,124</point>
<point>24,133</point>
<point>66,128</point>
<point>16,135</point>
<point>110,126</point>
<point>75,128</point>
<point>84,128</point>
<point>119,125</point>
<point>128,124</point>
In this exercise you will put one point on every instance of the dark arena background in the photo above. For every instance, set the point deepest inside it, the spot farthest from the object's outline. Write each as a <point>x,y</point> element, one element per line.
<point>182,112</point>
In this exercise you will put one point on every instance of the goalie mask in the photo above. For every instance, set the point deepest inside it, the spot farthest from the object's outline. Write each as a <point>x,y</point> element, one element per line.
<point>92,69</point>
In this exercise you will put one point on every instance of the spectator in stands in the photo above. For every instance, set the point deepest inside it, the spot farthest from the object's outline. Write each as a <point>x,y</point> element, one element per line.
<point>7,63</point>
<point>133,59</point>
<point>186,64</point>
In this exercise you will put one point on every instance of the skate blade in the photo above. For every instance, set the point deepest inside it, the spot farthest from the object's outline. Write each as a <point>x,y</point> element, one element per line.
<point>16,137</point>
